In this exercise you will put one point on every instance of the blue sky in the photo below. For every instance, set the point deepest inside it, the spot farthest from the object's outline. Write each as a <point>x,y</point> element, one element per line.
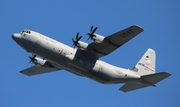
<point>61,20</point>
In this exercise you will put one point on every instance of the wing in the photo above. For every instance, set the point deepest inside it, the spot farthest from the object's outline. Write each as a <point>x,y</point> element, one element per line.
<point>35,70</point>
<point>112,42</point>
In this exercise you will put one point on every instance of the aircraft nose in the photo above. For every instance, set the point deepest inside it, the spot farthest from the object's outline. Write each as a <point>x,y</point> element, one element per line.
<point>16,37</point>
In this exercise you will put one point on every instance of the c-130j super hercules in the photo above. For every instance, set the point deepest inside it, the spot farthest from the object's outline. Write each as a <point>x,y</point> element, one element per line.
<point>84,60</point>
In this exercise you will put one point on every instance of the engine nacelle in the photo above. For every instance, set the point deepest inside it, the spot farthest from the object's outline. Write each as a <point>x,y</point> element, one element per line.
<point>82,45</point>
<point>98,38</point>
<point>41,62</point>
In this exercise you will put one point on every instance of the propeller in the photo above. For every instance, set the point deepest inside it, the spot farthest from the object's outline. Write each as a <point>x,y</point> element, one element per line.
<point>91,33</point>
<point>75,41</point>
<point>32,59</point>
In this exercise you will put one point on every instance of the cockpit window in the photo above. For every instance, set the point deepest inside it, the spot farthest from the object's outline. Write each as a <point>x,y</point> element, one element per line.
<point>26,31</point>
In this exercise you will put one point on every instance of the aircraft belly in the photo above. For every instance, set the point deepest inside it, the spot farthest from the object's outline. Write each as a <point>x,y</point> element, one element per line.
<point>76,65</point>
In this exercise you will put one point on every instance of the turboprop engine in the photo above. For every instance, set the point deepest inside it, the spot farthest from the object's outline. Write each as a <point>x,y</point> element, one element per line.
<point>39,61</point>
<point>95,37</point>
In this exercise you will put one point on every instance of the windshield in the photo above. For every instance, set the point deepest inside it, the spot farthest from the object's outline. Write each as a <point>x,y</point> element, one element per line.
<point>26,31</point>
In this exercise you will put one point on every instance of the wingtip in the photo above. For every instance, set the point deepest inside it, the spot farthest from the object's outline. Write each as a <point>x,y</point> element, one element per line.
<point>137,26</point>
<point>168,73</point>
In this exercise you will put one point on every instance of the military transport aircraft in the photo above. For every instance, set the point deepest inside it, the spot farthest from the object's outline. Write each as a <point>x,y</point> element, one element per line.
<point>85,59</point>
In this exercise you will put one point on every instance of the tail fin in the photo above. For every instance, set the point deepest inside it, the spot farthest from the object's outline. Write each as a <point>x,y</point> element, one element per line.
<point>146,64</point>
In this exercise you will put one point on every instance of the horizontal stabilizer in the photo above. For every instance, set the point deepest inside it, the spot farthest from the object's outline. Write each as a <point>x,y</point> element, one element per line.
<point>132,86</point>
<point>155,78</point>
<point>145,81</point>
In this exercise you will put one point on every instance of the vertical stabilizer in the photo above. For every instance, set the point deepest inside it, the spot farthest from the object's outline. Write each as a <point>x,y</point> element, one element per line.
<point>146,64</point>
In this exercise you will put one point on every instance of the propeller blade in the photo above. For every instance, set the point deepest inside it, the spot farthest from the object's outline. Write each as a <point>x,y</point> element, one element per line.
<point>91,33</point>
<point>79,38</point>
<point>91,28</point>
<point>75,41</point>
<point>94,30</point>
<point>77,35</point>
<point>32,59</point>
<point>88,38</point>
